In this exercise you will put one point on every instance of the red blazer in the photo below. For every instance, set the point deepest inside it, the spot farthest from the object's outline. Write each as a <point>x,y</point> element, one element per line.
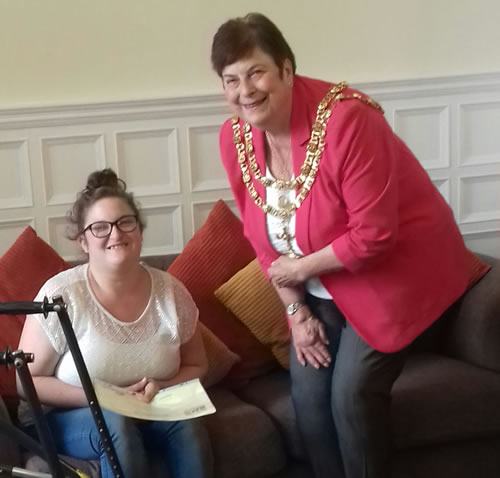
<point>404,258</point>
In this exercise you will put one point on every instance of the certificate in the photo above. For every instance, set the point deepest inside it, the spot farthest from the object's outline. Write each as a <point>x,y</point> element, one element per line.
<point>179,402</point>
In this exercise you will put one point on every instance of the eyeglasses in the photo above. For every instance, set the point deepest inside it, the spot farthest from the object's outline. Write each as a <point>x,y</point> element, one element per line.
<point>101,229</point>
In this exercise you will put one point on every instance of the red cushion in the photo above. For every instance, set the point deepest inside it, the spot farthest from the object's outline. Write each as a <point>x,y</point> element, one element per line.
<point>213,255</point>
<point>24,268</point>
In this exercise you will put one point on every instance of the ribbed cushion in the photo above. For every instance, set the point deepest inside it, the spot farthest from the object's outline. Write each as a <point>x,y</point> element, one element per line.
<point>252,298</point>
<point>212,256</point>
<point>24,268</point>
<point>245,442</point>
<point>220,358</point>
<point>438,400</point>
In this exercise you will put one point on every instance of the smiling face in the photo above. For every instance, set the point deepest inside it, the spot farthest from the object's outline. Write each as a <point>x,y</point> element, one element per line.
<point>258,91</point>
<point>117,248</point>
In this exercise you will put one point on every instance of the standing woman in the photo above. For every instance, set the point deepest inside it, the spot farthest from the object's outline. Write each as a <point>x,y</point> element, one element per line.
<point>348,227</point>
<point>137,329</point>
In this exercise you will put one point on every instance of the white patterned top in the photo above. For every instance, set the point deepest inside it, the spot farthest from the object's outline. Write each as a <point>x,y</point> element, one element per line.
<point>118,352</point>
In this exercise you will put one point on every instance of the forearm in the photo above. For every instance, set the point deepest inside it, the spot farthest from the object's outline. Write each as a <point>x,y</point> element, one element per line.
<point>185,373</point>
<point>53,392</point>
<point>289,295</point>
<point>318,263</point>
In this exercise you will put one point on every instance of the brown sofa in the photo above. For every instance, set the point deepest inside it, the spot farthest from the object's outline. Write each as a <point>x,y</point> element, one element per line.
<point>446,413</point>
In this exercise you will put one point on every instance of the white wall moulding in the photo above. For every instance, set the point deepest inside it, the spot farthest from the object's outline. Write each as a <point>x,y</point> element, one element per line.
<point>10,230</point>
<point>201,210</point>
<point>167,152</point>
<point>57,238</point>
<point>486,242</point>
<point>148,161</point>
<point>479,198</point>
<point>15,177</point>
<point>443,185</point>
<point>65,161</point>
<point>206,170</point>
<point>426,131</point>
<point>479,132</point>
<point>164,229</point>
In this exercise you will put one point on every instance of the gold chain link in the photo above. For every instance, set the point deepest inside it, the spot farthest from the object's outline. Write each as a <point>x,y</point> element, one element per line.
<point>309,168</point>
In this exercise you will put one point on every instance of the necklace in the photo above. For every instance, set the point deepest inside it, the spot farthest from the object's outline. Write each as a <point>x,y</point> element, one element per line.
<point>304,181</point>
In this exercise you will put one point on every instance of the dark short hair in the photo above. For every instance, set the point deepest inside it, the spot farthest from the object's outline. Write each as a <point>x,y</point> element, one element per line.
<point>238,37</point>
<point>100,184</point>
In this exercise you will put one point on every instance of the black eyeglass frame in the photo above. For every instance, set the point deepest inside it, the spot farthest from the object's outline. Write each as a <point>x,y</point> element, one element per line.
<point>112,224</point>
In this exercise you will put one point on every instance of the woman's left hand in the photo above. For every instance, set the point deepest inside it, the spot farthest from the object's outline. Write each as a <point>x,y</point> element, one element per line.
<point>144,390</point>
<point>286,272</point>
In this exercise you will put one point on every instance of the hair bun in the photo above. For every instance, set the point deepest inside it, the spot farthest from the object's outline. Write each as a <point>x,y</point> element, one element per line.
<point>106,178</point>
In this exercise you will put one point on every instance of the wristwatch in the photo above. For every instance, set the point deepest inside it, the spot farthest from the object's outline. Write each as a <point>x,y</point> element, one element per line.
<point>292,308</point>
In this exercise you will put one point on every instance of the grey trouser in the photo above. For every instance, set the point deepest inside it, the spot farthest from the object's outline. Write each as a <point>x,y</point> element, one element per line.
<point>343,411</point>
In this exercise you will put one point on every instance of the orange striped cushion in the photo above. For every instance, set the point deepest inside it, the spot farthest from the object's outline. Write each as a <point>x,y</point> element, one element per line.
<point>252,298</point>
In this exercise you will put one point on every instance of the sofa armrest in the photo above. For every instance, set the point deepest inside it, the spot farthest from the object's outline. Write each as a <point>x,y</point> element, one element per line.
<point>473,333</point>
<point>9,451</point>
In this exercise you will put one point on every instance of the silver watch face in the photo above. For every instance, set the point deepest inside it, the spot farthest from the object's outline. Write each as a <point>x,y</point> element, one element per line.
<point>292,308</point>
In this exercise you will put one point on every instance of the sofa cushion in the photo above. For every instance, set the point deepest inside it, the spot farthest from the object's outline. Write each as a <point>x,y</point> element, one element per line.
<point>220,359</point>
<point>9,451</point>
<point>250,296</point>
<point>438,400</point>
<point>245,442</point>
<point>24,268</point>
<point>467,459</point>
<point>213,255</point>
<point>272,393</point>
<point>90,468</point>
<point>478,311</point>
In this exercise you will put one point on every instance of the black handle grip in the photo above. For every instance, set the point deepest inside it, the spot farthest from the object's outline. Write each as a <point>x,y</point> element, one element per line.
<point>25,308</point>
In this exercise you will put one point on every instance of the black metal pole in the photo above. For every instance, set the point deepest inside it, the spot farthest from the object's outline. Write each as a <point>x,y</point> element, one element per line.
<point>20,360</point>
<point>60,307</point>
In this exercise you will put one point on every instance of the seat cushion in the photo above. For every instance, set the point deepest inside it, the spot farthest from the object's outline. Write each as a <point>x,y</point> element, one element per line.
<point>439,399</point>
<point>38,464</point>
<point>271,393</point>
<point>468,459</point>
<point>245,442</point>
<point>9,451</point>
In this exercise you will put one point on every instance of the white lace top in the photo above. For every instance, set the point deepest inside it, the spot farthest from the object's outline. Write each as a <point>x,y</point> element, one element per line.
<point>120,352</point>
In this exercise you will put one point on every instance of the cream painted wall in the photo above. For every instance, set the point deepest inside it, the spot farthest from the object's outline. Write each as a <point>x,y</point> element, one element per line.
<point>79,51</point>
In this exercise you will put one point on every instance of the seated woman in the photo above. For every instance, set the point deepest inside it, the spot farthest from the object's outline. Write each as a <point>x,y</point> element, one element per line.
<point>137,329</point>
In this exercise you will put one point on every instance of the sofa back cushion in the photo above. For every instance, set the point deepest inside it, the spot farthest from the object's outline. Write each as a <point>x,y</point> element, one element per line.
<point>472,332</point>
<point>212,256</point>
<point>24,268</point>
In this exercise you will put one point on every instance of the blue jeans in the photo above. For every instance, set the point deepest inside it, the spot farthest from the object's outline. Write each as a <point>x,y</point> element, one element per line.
<point>343,411</point>
<point>184,444</point>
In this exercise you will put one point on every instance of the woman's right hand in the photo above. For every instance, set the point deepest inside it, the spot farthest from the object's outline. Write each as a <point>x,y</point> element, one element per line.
<point>310,342</point>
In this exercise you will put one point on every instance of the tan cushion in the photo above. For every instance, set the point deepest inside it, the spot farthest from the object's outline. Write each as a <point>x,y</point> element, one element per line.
<point>220,358</point>
<point>252,298</point>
